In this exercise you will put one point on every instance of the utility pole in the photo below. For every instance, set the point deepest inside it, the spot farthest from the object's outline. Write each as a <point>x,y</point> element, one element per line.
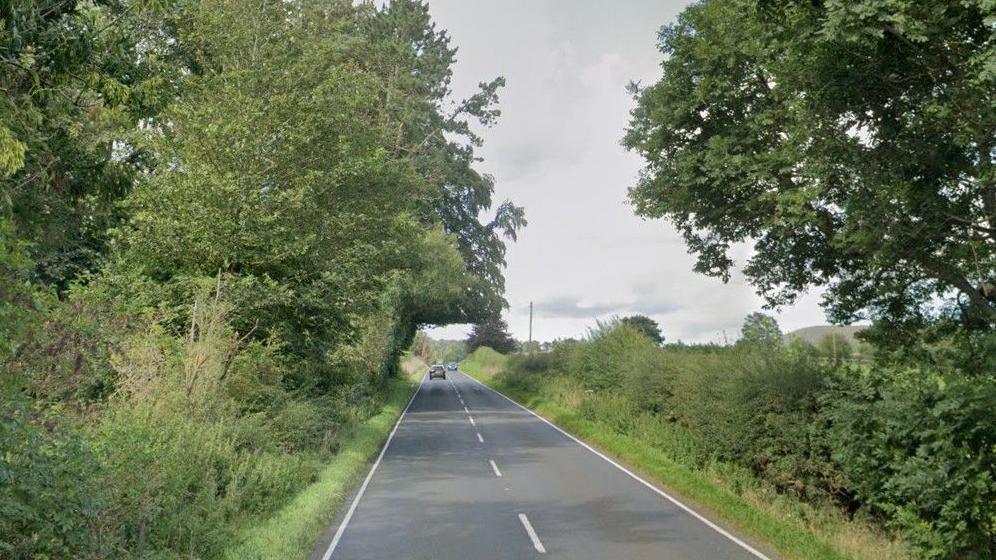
<point>530,324</point>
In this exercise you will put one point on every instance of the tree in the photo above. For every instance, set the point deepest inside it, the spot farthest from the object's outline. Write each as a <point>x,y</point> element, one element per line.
<point>492,333</point>
<point>852,141</point>
<point>645,325</point>
<point>836,347</point>
<point>74,91</point>
<point>760,330</point>
<point>434,134</point>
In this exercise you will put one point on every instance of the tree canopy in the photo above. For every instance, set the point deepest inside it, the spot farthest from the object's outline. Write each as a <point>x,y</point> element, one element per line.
<point>853,142</point>
<point>645,325</point>
<point>760,329</point>
<point>492,333</point>
<point>221,224</point>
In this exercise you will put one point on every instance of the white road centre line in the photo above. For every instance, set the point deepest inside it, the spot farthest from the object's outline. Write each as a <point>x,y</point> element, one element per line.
<point>366,481</point>
<point>537,544</point>
<point>494,467</point>
<point>465,409</point>
<point>479,437</point>
<point>633,475</point>
<point>472,423</point>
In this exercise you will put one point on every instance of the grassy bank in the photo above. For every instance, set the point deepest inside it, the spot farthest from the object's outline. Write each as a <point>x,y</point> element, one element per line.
<point>484,363</point>
<point>780,524</point>
<point>293,530</point>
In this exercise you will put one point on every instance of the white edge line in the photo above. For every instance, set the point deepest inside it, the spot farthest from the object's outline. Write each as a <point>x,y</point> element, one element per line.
<point>366,481</point>
<point>537,544</point>
<point>480,438</point>
<point>635,476</point>
<point>494,467</point>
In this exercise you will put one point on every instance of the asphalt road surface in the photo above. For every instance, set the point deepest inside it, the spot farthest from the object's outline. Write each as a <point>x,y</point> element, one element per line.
<point>468,474</point>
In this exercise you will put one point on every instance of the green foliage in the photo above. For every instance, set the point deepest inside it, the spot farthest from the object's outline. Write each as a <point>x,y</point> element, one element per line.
<point>646,325</point>
<point>74,89</point>
<point>909,450</point>
<point>493,334</point>
<point>221,225</point>
<point>680,414</point>
<point>852,140</point>
<point>760,330</point>
<point>923,455</point>
<point>597,363</point>
<point>836,347</point>
<point>446,351</point>
<point>48,495</point>
<point>484,361</point>
<point>291,531</point>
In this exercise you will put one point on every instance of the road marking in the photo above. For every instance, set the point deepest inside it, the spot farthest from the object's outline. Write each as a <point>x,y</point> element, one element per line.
<point>366,481</point>
<point>494,467</point>
<point>472,423</point>
<point>633,475</point>
<point>537,544</point>
<point>465,409</point>
<point>479,437</point>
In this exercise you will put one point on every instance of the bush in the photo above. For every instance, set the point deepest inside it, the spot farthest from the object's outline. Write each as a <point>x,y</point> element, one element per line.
<point>922,454</point>
<point>597,360</point>
<point>49,500</point>
<point>913,449</point>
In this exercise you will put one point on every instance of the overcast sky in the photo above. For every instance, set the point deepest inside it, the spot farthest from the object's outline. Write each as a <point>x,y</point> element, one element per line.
<point>556,150</point>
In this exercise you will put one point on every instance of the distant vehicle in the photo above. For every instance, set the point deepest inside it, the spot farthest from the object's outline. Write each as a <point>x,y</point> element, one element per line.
<point>452,366</point>
<point>437,371</point>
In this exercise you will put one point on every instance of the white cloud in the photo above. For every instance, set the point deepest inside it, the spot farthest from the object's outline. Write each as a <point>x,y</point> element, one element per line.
<point>556,151</point>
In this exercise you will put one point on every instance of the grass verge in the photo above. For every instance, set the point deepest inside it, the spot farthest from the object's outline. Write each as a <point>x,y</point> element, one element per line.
<point>483,363</point>
<point>784,526</point>
<point>294,529</point>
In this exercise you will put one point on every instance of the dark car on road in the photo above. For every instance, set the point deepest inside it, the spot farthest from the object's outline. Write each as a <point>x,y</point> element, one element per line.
<point>437,371</point>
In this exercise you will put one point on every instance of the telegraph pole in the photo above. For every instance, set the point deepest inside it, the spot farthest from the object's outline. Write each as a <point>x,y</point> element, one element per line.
<point>530,324</point>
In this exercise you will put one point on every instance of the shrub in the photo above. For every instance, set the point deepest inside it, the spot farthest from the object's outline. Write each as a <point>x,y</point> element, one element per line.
<point>597,361</point>
<point>49,500</point>
<point>922,454</point>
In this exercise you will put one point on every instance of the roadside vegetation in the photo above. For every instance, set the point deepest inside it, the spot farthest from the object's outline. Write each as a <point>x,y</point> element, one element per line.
<point>852,145</point>
<point>221,224</point>
<point>812,458</point>
<point>484,363</point>
<point>291,531</point>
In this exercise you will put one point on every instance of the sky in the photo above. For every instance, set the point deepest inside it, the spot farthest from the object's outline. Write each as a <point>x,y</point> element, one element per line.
<point>556,151</point>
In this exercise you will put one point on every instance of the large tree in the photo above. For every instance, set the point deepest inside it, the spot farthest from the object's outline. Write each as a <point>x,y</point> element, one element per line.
<point>492,333</point>
<point>761,330</point>
<point>853,142</point>
<point>435,132</point>
<point>76,78</point>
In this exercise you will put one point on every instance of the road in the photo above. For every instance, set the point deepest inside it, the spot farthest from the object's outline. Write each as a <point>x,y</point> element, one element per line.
<point>468,474</point>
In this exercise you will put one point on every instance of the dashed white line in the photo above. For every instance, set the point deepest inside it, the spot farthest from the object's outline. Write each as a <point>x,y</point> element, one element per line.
<point>472,423</point>
<point>537,544</point>
<point>633,475</point>
<point>465,409</point>
<point>479,437</point>
<point>494,467</point>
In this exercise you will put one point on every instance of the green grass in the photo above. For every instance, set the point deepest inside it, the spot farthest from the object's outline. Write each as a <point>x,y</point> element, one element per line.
<point>293,531</point>
<point>781,526</point>
<point>483,363</point>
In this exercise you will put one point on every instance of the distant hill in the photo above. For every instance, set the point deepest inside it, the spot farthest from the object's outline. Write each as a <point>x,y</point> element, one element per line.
<point>814,335</point>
